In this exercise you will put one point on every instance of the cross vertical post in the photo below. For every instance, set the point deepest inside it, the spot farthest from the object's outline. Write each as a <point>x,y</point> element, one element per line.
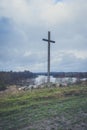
<point>48,79</point>
<point>49,41</point>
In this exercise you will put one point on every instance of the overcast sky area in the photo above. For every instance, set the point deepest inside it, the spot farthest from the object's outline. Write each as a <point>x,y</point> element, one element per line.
<point>23,25</point>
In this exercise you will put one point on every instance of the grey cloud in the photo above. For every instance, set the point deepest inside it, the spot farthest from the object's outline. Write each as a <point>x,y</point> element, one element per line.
<point>18,36</point>
<point>69,62</point>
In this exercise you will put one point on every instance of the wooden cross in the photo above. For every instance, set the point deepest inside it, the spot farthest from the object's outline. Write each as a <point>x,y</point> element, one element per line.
<point>49,41</point>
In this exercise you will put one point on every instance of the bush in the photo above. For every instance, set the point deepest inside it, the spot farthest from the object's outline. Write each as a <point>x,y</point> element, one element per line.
<point>2,86</point>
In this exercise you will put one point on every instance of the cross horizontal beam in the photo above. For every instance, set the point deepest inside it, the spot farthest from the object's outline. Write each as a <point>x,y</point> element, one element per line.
<point>48,40</point>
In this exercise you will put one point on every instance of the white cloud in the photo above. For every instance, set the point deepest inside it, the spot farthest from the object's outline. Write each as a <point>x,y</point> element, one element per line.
<point>23,11</point>
<point>29,22</point>
<point>26,54</point>
<point>79,54</point>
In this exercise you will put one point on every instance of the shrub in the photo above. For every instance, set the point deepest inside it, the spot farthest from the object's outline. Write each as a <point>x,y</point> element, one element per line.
<point>2,86</point>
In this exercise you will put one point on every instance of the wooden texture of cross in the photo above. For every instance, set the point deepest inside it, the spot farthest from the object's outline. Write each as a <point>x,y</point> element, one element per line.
<point>49,41</point>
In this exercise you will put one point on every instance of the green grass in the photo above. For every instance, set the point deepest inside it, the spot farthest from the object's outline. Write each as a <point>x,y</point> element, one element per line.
<point>59,108</point>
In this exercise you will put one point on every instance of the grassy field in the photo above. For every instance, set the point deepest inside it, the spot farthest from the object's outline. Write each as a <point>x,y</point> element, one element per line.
<point>45,109</point>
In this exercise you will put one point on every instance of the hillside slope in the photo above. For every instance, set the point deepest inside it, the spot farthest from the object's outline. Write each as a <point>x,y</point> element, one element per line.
<point>45,109</point>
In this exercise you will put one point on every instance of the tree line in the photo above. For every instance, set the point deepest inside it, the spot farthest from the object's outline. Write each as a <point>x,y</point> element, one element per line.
<point>65,74</point>
<point>10,78</point>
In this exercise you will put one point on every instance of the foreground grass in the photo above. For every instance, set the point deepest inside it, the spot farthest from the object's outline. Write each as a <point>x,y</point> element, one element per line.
<point>45,109</point>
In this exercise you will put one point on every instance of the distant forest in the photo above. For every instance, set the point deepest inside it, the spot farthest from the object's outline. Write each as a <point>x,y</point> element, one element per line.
<point>9,78</point>
<point>66,74</point>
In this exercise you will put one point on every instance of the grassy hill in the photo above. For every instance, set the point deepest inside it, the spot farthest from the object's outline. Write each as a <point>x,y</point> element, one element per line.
<point>45,109</point>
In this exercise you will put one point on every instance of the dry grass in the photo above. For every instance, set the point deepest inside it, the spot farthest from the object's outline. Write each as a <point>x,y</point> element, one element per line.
<point>44,109</point>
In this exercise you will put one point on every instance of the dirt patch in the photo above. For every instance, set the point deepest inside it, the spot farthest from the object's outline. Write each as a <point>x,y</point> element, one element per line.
<point>10,90</point>
<point>57,123</point>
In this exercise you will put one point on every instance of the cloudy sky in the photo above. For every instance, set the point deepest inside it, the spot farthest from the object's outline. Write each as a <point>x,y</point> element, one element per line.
<point>23,24</point>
